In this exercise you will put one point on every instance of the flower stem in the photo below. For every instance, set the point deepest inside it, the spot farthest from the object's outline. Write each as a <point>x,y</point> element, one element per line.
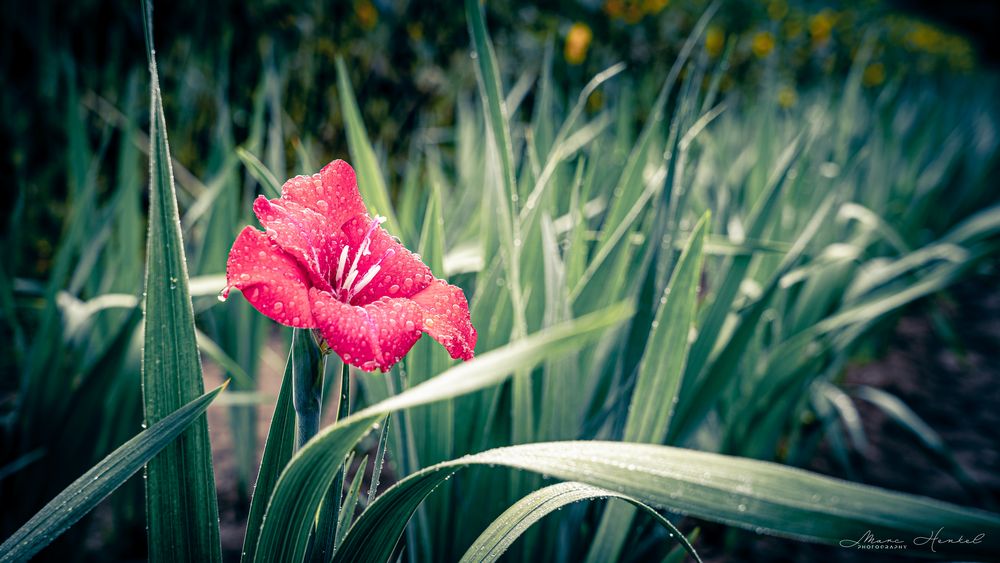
<point>329,515</point>
<point>308,365</point>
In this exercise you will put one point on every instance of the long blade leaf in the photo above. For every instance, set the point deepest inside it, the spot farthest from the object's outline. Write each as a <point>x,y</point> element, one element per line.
<point>496,539</point>
<point>761,496</point>
<point>181,507</point>
<point>95,485</point>
<point>303,484</point>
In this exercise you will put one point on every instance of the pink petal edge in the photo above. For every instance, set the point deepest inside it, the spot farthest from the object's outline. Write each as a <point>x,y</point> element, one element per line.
<point>446,318</point>
<point>270,279</point>
<point>376,335</point>
<point>302,233</point>
<point>333,193</point>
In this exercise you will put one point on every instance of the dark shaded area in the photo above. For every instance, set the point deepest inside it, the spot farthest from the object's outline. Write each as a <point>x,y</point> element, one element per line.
<point>978,20</point>
<point>953,388</point>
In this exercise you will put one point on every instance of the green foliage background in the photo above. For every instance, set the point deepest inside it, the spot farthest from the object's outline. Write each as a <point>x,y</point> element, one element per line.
<point>767,209</point>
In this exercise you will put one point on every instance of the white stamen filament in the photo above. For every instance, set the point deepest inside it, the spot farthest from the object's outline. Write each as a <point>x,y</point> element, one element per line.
<point>342,283</point>
<point>341,265</point>
<point>365,280</point>
<point>351,276</point>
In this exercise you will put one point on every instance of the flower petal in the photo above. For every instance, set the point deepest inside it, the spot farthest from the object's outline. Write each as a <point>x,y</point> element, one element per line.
<point>397,324</point>
<point>374,336</point>
<point>271,280</point>
<point>333,193</point>
<point>303,233</point>
<point>446,318</point>
<point>401,273</point>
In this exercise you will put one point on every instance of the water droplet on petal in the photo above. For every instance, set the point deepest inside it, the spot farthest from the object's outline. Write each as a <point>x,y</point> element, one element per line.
<point>393,288</point>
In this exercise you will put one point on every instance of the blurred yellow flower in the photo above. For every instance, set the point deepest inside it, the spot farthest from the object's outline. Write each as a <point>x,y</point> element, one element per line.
<point>366,13</point>
<point>787,97</point>
<point>925,37</point>
<point>415,31</point>
<point>715,40</point>
<point>577,42</point>
<point>762,44</point>
<point>873,75</point>
<point>614,8</point>
<point>777,9</point>
<point>632,11</point>
<point>654,6</point>
<point>821,25</point>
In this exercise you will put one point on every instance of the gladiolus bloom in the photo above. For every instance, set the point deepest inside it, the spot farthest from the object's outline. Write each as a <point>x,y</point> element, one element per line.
<point>323,263</point>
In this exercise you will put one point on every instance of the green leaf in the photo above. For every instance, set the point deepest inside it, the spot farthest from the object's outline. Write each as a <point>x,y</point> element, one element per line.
<point>95,485</point>
<point>267,180</point>
<point>383,438</point>
<point>181,508</point>
<point>658,381</point>
<point>371,183</point>
<point>662,363</point>
<point>723,367</point>
<point>277,451</point>
<point>760,496</point>
<point>496,539</point>
<point>732,275</point>
<point>346,515</point>
<point>498,127</point>
<point>303,484</point>
<point>631,185</point>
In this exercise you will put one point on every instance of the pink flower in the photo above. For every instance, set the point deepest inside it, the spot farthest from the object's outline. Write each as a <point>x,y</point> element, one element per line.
<point>324,263</point>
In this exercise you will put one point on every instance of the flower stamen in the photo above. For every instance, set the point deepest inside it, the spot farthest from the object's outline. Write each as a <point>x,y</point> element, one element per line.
<point>342,283</point>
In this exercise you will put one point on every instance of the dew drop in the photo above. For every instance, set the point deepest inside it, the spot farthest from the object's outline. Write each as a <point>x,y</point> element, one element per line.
<point>393,288</point>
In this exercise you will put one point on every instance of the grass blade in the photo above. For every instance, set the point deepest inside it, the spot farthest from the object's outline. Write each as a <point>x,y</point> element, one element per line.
<point>761,496</point>
<point>383,438</point>
<point>277,451</point>
<point>181,507</point>
<point>346,515</point>
<point>100,481</point>
<point>496,539</point>
<point>303,484</point>
<point>371,183</point>
<point>267,180</point>
<point>658,381</point>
